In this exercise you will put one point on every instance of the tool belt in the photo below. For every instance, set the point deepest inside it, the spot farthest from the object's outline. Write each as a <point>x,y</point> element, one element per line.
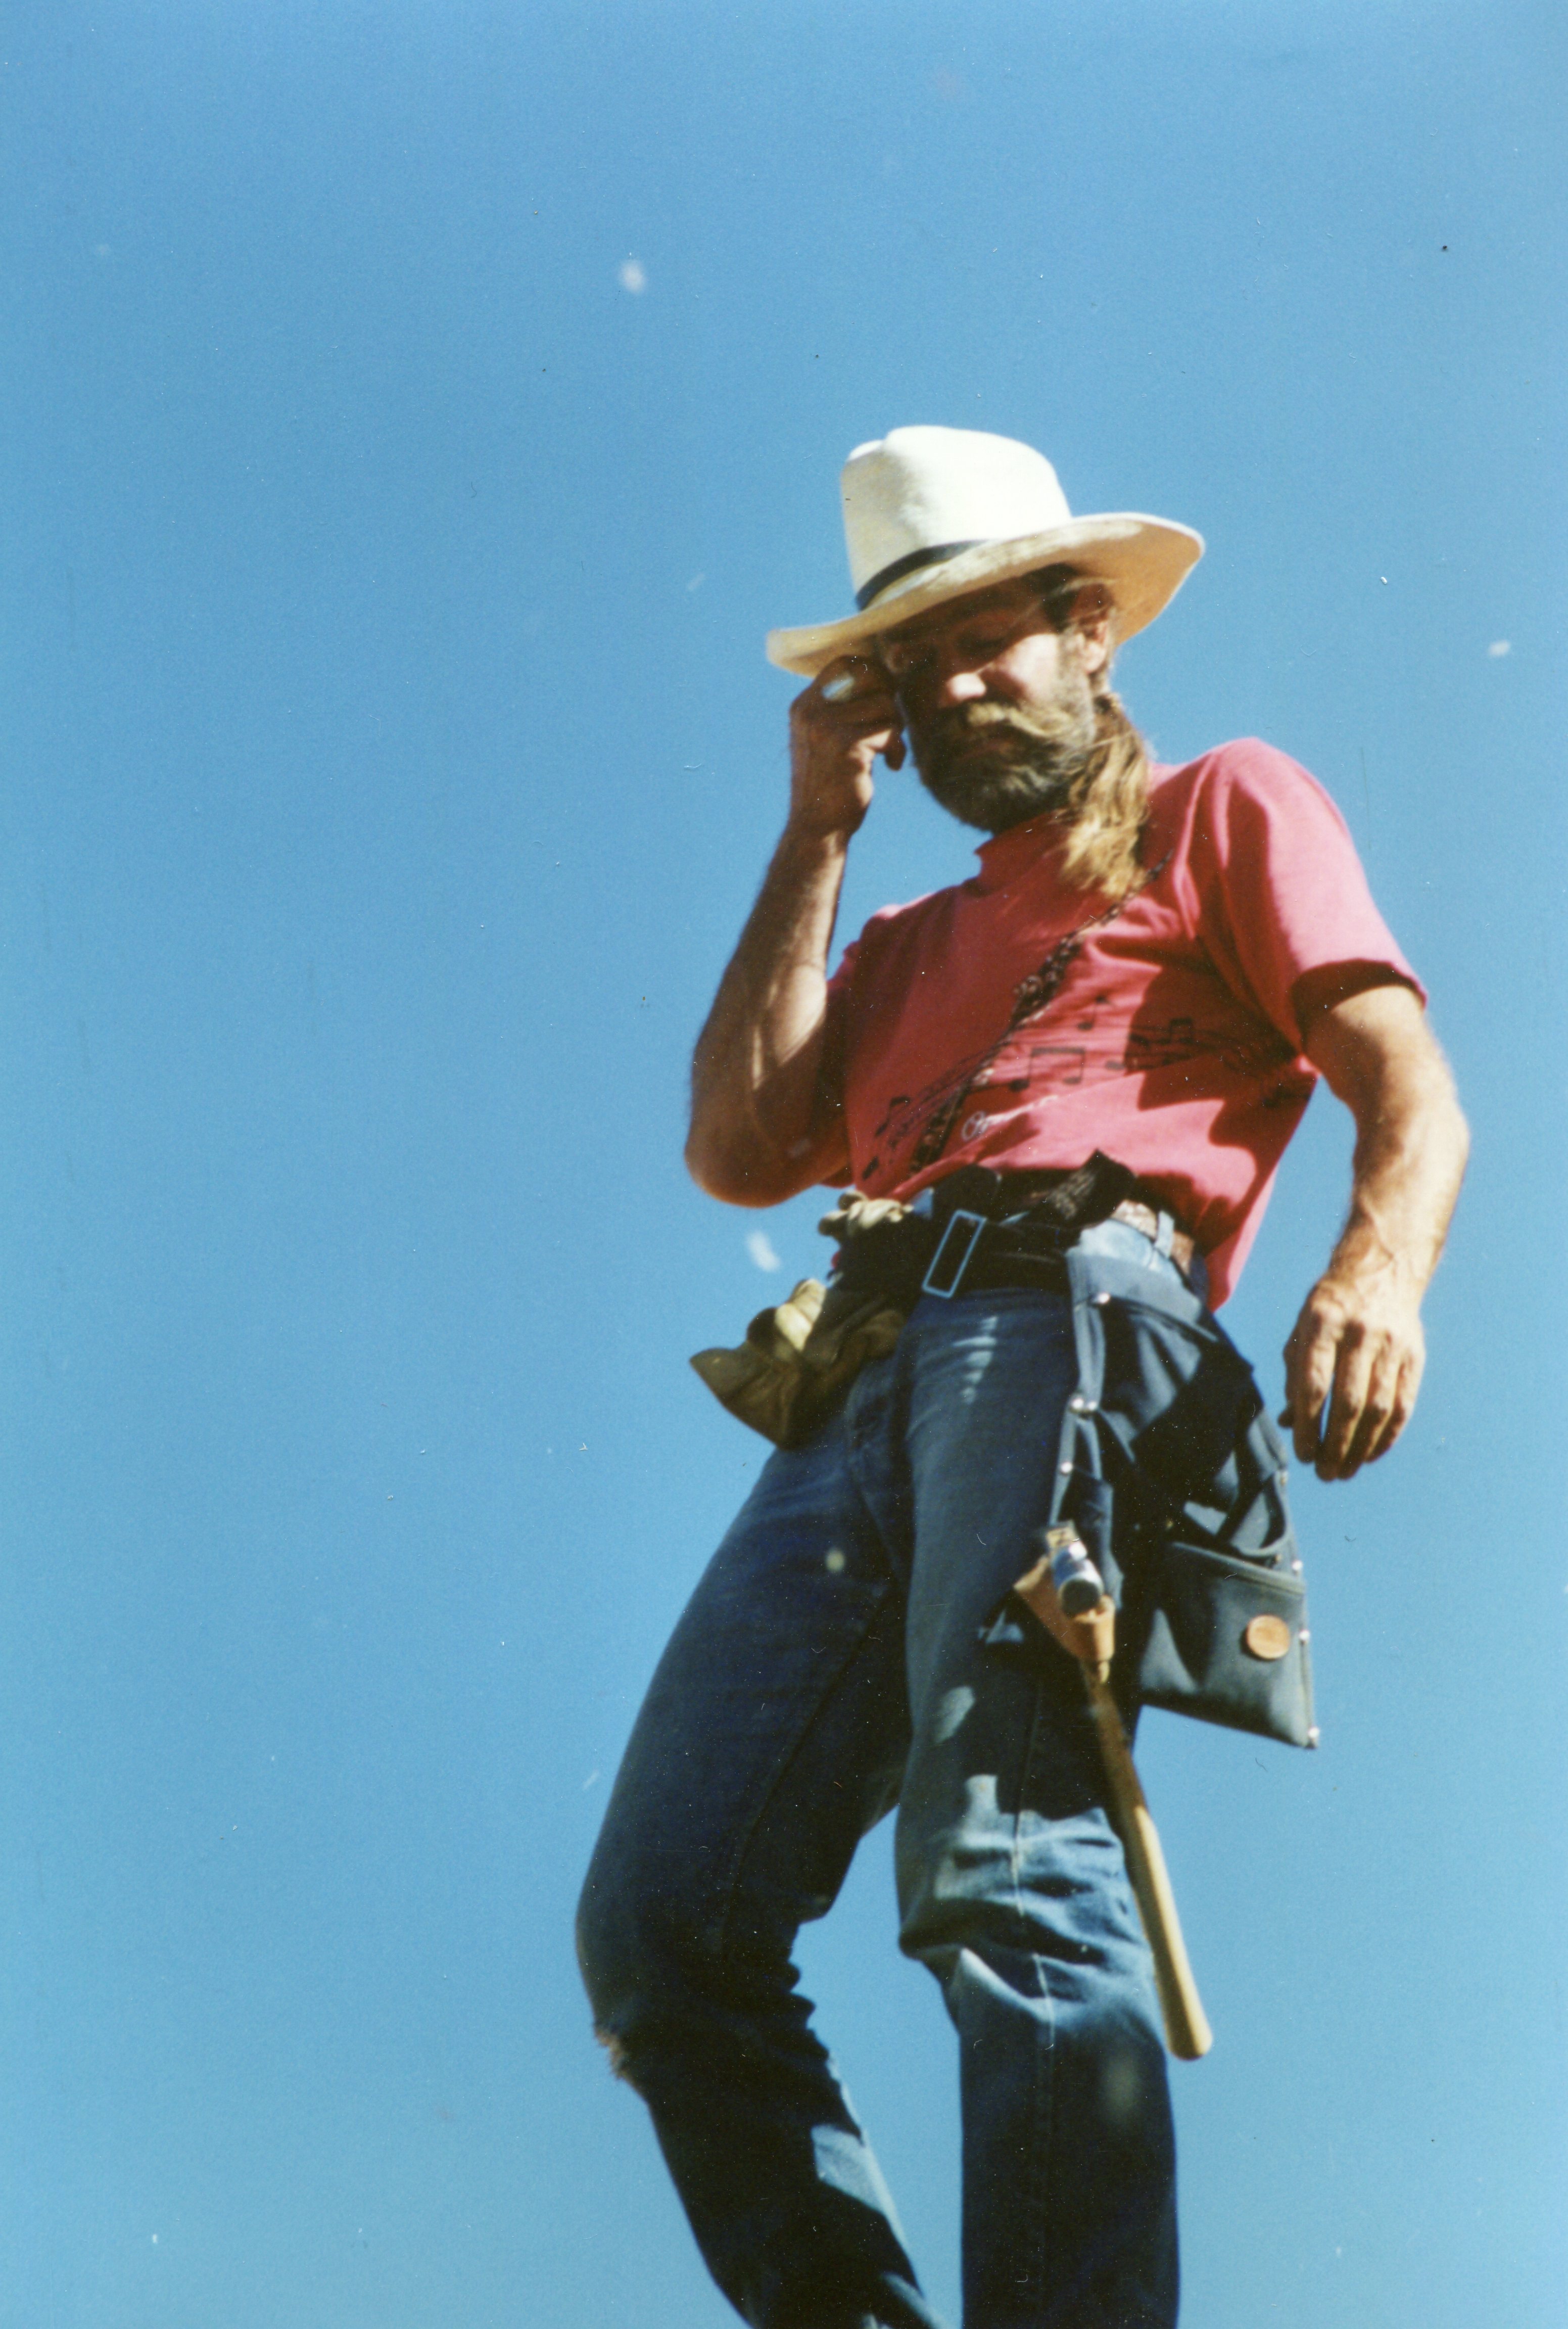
<point>1168,1467</point>
<point>985,1232</point>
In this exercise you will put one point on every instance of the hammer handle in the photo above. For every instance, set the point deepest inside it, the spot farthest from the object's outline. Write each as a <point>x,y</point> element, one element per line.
<point>1187,2029</point>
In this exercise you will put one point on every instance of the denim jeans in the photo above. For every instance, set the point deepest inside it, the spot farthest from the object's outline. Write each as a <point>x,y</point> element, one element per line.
<point>829,1666</point>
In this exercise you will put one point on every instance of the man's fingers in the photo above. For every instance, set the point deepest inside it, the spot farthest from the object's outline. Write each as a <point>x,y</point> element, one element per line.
<point>850,676</point>
<point>1353,1373</point>
<point>1350,1386</point>
<point>1372,1390</point>
<point>850,707</point>
<point>834,743</point>
<point>1381,1431</point>
<point>1308,1377</point>
<point>852,686</point>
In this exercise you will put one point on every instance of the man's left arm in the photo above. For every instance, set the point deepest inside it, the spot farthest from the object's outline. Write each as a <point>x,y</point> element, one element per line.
<point>1354,1361</point>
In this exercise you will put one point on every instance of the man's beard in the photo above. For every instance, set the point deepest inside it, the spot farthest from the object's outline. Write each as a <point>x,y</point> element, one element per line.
<point>996,765</point>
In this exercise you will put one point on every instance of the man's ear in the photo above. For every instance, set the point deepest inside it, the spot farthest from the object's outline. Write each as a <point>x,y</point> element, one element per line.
<point>1094,634</point>
<point>1090,623</point>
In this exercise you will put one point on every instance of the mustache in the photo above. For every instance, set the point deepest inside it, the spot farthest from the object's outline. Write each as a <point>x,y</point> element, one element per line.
<point>959,723</point>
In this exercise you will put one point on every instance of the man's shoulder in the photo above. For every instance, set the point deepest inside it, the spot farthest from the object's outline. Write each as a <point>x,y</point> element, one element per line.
<point>1244,762</point>
<point>1204,791</point>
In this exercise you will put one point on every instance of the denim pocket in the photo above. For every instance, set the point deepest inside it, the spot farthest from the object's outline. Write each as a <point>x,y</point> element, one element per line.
<point>1228,1640</point>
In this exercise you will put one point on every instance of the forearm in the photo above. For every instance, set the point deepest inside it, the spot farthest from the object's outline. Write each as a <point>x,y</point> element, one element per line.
<point>1411,1148</point>
<point>757,1073</point>
<point>759,1114</point>
<point>1355,1359</point>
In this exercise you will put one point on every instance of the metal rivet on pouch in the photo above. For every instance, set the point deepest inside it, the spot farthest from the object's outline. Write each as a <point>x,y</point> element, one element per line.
<point>1313,1736</point>
<point>1305,1635</point>
<point>1099,1300</point>
<point>1064,1469</point>
<point>1080,1405</point>
<point>1297,1566</point>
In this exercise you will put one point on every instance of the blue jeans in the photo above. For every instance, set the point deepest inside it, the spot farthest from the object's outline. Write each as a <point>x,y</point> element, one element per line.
<point>830,1666</point>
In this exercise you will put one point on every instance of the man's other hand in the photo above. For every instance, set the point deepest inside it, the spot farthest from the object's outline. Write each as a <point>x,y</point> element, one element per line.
<point>834,738</point>
<point>1353,1366</point>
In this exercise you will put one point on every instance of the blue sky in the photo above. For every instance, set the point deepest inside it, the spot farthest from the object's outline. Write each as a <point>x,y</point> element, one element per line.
<point>413,417</point>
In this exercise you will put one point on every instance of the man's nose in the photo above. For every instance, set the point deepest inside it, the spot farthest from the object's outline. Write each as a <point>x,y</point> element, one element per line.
<point>957,684</point>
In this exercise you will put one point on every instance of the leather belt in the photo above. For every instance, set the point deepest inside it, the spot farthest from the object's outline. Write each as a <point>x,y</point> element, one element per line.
<point>987,1230</point>
<point>975,1255</point>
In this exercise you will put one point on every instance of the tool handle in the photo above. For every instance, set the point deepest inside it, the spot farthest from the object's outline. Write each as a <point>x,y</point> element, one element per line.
<point>1187,2029</point>
<point>1091,1638</point>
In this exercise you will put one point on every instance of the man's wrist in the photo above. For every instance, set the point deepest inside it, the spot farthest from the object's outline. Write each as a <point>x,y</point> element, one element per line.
<point>1365,1256</point>
<point>807,842</point>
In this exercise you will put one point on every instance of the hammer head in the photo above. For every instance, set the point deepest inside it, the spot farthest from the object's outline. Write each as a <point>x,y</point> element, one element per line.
<point>1065,1591</point>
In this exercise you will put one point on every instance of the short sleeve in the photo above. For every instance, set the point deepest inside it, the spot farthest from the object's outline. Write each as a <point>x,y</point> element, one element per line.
<point>1277,889</point>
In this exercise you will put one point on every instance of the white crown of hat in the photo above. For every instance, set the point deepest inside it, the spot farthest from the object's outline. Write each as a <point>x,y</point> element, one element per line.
<point>917,495</point>
<point>930,514</point>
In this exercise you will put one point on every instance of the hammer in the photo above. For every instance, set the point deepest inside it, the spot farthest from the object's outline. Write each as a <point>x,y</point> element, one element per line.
<point>1065,1591</point>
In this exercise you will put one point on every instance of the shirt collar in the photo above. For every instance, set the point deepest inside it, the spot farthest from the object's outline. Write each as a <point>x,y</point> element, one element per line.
<point>1008,854</point>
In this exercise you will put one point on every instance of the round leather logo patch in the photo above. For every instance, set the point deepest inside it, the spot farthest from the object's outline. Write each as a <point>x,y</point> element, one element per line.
<point>1267,1637</point>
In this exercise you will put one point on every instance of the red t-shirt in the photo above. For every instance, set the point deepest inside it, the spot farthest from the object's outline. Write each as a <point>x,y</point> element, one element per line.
<point>1014,1022</point>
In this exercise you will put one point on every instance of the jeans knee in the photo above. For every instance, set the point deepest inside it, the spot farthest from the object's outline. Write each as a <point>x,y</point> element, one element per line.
<point>608,1968</point>
<point>640,1947</point>
<point>606,1958</point>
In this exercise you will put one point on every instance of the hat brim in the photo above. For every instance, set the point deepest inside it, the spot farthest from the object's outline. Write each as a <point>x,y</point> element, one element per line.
<point>1142,561</point>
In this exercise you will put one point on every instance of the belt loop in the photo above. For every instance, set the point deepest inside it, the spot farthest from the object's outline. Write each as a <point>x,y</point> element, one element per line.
<point>1166,1232</point>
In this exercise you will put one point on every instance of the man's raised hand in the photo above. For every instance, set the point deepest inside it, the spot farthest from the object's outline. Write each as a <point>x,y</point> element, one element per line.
<point>834,737</point>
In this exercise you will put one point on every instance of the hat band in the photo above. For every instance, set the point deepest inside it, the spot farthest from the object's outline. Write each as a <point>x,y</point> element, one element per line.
<point>902,566</point>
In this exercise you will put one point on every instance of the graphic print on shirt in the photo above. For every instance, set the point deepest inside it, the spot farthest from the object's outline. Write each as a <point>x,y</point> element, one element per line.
<point>1032,996</point>
<point>1041,1069</point>
<point>1168,1040</point>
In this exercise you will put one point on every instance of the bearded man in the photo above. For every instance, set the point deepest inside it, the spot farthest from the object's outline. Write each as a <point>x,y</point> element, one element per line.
<point>1076,1072</point>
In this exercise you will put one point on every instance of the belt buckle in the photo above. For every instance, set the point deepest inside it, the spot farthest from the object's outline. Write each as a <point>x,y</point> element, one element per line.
<point>975,1224</point>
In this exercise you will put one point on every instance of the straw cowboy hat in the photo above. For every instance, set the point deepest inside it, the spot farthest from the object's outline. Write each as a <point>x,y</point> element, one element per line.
<point>932,513</point>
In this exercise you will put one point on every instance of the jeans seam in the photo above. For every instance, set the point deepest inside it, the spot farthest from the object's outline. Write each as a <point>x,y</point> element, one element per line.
<point>1044,2083</point>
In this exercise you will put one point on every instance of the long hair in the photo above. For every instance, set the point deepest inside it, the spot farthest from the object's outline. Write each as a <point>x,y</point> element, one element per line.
<point>1106,813</point>
<point>1107,810</point>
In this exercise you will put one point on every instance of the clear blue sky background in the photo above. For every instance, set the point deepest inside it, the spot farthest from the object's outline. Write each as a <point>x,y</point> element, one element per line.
<point>389,758</point>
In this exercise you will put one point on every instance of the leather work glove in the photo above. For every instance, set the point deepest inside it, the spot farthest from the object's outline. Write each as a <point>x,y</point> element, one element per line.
<point>799,1359</point>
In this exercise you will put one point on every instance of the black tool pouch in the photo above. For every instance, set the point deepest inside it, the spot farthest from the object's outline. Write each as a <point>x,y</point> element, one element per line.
<point>1173,1476</point>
